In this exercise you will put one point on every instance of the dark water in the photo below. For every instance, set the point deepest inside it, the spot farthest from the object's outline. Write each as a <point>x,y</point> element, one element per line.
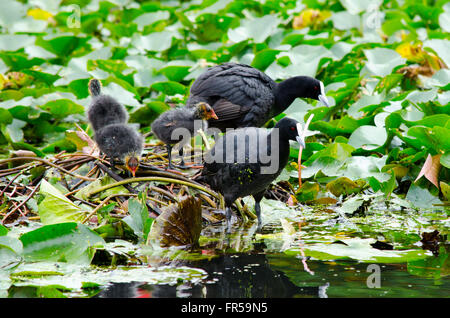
<point>281,276</point>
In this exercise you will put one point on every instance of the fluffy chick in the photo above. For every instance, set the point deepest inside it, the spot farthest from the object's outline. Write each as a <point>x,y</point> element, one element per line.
<point>122,142</point>
<point>104,110</point>
<point>165,125</point>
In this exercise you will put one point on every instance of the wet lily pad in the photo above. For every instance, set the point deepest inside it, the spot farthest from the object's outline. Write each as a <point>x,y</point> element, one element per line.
<point>57,208</point>
<point>360,250</point>
<point>66,242</point>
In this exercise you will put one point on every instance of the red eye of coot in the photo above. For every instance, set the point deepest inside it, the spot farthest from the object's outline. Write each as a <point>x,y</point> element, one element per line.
<point>293,128</point>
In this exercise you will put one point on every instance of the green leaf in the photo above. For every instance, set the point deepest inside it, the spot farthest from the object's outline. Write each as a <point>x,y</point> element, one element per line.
<point>14,42</point>
<point>47,78</point>
<point>148,113</point>
<point>5,117</point>
<point>343,185</point>
<point>436,138</point>
<point>156,41</point>
<point>138,219</point>
<point>445,189</point>
<point>355,6</point>
<point>360,250</point>
<point>344,20</point>
<point>390,185</point>
<point>150,18</point>
<point>62,46</point>
<point>421,197</point>
<point>57,208</point>
<point>62,108</point>
<point>441,47</point>
<point>175,73</point>
<point>3,230</point>
<point>11,243</point>
<point>258,29</point>
<point>445,160</point>
<point>368,137</point>
<point>63,242</point>
<point>336,150</point>
<point>169,88</point>
<point>444,18</point>
<point>264,58</point>
<point>381,61</point>
<point>84,192</point>
<point>13,132</point>
<point>308,191</point>
<point>10,256</point>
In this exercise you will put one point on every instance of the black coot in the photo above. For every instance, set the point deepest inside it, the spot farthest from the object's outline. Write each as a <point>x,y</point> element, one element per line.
<point>104,110</point>
<point>122,142</point>
<point>165,125</point>
<point>243,96</point>
<point>246,161</point>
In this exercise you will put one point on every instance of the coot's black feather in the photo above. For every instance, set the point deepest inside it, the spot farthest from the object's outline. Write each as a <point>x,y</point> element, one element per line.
<point>118,141</point>
<point>104,109</point>
<point>235,165</point>
<point>243,96</point>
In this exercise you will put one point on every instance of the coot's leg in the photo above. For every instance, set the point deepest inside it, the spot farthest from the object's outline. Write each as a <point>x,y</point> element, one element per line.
<point>228,217</point>
<point>181,153</point>
<point>182,164</point>
<point>169,155</point>
<point>258,197</point>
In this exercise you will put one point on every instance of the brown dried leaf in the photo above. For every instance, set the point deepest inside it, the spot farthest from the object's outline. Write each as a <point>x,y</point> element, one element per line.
<point>179,224</point>
<point>83,142</point>
<point>431,169</point>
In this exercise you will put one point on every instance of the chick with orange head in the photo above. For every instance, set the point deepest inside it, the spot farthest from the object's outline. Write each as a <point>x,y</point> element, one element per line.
<point>165,126</point>
<point>122,142</point>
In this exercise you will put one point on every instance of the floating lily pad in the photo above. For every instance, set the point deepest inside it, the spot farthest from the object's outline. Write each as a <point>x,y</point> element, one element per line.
<point>360,250</point>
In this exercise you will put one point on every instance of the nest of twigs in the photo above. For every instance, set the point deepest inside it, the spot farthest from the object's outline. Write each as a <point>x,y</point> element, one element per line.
<point>21,176</point>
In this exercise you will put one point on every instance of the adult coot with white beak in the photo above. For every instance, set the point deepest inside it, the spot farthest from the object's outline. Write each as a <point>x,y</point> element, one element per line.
<point>245,162</point>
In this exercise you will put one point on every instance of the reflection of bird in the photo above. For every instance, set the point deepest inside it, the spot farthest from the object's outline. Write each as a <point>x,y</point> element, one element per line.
<point>104,109</point>
<point>165,126</point>
<point>120,141</point>
<point>246,161</point>
<point>243,96</point>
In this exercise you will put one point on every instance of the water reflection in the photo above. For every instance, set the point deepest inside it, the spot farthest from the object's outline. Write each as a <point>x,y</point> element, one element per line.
<point>231,276</point>
<point>243,268</point>
<point>281,276</point>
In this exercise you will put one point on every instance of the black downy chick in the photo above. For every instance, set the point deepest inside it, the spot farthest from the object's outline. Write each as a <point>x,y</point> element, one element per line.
<point>122,142</point>
<point>243,96</point>
<point>245,162</point>
<point>166,126</point>
<point>104,109</point>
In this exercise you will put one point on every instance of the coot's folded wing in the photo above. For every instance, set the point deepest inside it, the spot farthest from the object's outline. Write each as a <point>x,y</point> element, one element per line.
<point>234,90</point>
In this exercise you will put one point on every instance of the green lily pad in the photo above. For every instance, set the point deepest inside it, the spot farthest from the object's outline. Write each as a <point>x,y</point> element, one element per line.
<point>368,137</point>
<point>360,250</point>
<point>56,207</point>
<point>64,242</point>
<point>138,219</point>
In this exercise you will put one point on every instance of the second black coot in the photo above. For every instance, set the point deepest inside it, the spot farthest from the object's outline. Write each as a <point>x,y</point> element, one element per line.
<point>245,162</point>
<point>243,96</point>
